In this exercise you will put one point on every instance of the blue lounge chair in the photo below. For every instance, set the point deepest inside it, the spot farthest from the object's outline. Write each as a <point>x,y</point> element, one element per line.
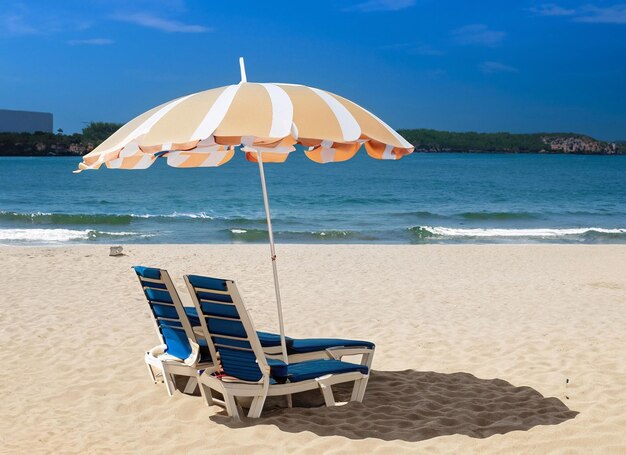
<point>180,352</point>
<point>245,369</point>
<point>298,350</point>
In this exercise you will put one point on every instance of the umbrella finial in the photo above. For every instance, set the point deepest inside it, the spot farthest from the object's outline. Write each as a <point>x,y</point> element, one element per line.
<point>242,67</point>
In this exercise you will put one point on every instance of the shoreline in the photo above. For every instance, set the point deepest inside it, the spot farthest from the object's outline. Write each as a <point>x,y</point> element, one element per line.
<point>128,246</point>
<point>321,245</point>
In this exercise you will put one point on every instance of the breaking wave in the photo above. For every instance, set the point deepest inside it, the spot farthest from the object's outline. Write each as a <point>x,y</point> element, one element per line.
<point>62,235</point>
<point>586,233</point>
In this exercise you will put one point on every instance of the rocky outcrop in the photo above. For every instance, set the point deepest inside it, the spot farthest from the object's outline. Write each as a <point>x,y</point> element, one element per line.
<point>579,145</point>
<point>43,144</point>
<point>80,149</point>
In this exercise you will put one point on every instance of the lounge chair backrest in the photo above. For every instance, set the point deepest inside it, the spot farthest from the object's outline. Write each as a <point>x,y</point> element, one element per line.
<point>231,333</point>
<point>171,321</point>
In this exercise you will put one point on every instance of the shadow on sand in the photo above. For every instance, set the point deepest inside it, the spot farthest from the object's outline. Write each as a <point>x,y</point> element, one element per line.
<point>414,406</point>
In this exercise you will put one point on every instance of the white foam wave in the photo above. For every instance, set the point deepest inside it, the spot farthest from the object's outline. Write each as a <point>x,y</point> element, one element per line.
<point>57,235</point>
<point>200,215</point>
<point>542,232</point>
<point>333,233</point>
<point>238,231</point>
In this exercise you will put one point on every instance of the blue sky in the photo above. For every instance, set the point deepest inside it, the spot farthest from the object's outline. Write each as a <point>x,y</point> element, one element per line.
<point>520,66</point>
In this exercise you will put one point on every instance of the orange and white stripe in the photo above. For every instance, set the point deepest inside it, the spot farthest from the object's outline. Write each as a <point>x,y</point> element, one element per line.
<point>202,129</point>
<point>332,152</point>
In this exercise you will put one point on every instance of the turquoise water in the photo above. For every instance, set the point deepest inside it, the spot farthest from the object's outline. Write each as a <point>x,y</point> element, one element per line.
<point>424,198</point>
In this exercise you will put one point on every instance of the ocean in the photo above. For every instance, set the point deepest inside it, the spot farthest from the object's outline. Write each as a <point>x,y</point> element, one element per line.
<point>423,198</point>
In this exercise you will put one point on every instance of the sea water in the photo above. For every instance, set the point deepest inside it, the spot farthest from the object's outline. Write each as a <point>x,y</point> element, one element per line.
<point>423,198</point>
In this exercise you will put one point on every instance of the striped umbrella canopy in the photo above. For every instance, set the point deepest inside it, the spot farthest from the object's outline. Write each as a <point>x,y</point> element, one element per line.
<point>266,120</point>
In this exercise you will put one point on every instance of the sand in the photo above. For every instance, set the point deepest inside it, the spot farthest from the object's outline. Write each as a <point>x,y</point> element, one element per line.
<point>480,349</point>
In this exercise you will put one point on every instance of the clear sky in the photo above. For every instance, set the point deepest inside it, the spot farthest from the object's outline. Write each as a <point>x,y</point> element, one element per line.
<point>488,65</point>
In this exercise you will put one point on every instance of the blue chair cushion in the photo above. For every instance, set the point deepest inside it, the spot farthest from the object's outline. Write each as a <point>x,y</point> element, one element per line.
<point>233,328</point>
<point>217,309</point>
<point>240,364</point>
<point>311,369</point>
<point>148,272</point>
<point>157,295</point>
<point>164,311</point>
<point>272,339</point>
<point>192,315</point>
<point>206,282</point>
<point>153,285</point>
<point>299,346</point>
<point>267,339</point>
<point>203,295</point>
<point>278,369</point>
<point>304,345</point>
<point>176,341</point>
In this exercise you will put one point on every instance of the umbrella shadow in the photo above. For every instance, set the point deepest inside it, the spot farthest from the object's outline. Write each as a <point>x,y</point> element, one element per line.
<point>414,405</point>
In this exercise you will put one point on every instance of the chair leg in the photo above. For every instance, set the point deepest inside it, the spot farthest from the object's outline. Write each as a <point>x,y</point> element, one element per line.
<point>151,372</point>
<point>327,392</point>
<point>257,406</point>
<point>358,391</point>
<point>191,385</point>
<point>170,382</point>
<point>205,392</point>
<point>231,406</point>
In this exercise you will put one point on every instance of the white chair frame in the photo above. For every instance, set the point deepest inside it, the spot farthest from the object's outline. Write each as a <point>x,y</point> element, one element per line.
<point>274,352</point>
<point>232,388</point>
<point>167,367</point>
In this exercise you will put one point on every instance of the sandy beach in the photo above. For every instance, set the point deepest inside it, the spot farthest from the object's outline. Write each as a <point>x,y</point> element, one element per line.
<point>480,349</point>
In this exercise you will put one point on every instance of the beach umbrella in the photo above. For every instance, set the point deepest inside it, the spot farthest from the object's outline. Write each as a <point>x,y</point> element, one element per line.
<point>265,120</point>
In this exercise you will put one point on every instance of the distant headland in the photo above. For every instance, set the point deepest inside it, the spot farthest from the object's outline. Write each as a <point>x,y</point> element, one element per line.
<point>433,141</point>
<point>59,144</point>
<point>424,140</point>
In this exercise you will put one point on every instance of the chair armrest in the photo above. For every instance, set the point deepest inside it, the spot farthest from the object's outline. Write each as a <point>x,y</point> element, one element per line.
<point>366,354</point>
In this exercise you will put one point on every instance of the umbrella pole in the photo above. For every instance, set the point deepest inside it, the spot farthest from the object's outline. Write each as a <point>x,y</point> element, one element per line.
<point>283,344</point>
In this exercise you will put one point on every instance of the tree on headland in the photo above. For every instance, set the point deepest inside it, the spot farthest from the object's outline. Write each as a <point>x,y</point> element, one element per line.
<point>60,144</point>
<point>96,132</point>
<point>40,144</point>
